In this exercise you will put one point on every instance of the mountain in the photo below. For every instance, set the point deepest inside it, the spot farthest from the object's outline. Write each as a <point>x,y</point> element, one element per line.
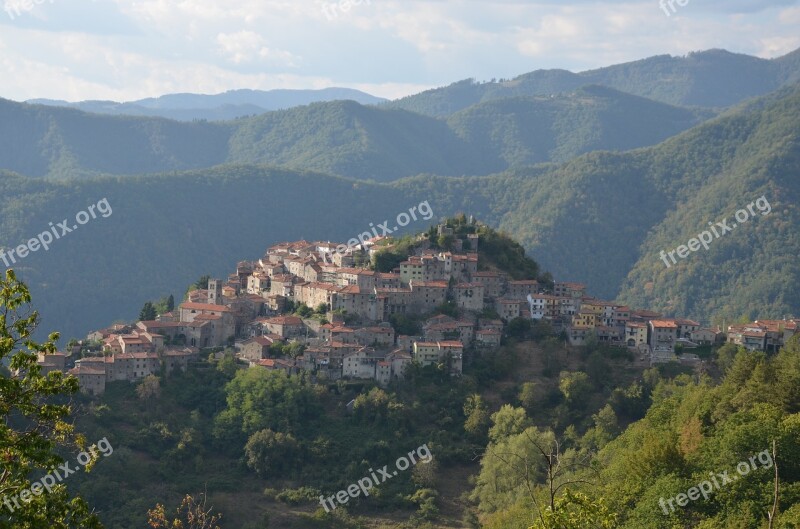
<point>601,218</point>
<point>342,137</point>
<point>228,105</point>
<point>604,218</point>
<point>529,130</point>
<point>711,79</point>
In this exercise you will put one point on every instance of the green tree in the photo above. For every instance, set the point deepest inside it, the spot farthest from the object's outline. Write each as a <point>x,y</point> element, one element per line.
<point>508,421</point>
<point>574,385</point>
<point>519,328</point>
<point>148,312</point>
<point>575,510</point>
<point>260,399</point>
<point>270,454</point>
<point>33,423</point>
<point>445,242</point>
<point>527,396</point>
<point>477,413</point>
<point>303,310</point>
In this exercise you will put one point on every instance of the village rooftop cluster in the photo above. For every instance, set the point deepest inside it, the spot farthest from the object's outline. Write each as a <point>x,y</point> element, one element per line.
<point>353,338</point>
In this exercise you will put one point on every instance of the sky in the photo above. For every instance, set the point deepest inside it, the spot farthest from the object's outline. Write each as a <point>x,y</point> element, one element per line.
<point>124,50</point>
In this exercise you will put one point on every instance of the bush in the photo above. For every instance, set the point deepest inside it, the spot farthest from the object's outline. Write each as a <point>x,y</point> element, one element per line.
<point>298,496</point>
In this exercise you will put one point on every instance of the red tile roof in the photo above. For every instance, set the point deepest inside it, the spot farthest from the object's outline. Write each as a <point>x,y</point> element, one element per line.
<point>205,307</point>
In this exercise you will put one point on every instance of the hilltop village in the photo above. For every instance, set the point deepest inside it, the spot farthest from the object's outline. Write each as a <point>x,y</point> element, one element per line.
<point>306,307</point>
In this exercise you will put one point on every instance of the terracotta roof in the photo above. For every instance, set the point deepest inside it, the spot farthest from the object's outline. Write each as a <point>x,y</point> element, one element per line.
<point>261,340</point>
<point>664,324</point>
<point>205,306</point>
<point>433,284</point>
<point>440,344</point>
<point>208,317</point>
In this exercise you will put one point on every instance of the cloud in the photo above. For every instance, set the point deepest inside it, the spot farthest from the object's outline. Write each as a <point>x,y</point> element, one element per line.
<point>248,46</point>
<point>126,49</point>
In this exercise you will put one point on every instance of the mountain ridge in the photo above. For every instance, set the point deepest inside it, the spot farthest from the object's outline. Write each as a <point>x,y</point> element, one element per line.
<point>227,105</point>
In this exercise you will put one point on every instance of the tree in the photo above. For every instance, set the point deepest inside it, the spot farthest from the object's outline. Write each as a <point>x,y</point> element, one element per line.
<point>508,421</point>
<point>574,385</point>
<point>191,514</point>
<point>269,453</point>
<point>148,389</point>
<point>574,510</point>
<point>519,328</point>
<point>445,242</point>
<point>477,414</point>
<point>170,303</point>
<point>527,396</point>
<point>148,312</point>
<point>32,425</point>
<point>303,310</point>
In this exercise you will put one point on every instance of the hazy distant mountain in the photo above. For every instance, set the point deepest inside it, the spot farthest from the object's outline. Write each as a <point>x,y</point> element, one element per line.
<point>340,137</point>
<point>712,79</point>
<point>229,105</point>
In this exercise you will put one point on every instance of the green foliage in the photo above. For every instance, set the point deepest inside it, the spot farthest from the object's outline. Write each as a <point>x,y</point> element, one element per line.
<point>406,324</point>
<point>527,396</point>
<point>298,496</point>
<point>566,216</point>
<point>303,310</point>
<point>477,414</point>
<point>519,328</point>
<point>260,399</point>
<point>148,312</point>
<point>575,510</point>
<point>35,421</point>
<point>726,79</point>
<point>575,386</point>
<point>270,454</point>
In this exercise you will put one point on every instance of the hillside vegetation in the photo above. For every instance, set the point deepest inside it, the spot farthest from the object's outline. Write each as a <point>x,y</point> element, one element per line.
<point>341,137</point>
<point>712,79</point>
<point>602,219</point>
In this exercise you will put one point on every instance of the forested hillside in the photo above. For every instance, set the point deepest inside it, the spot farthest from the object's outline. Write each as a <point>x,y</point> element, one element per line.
<point>712,79</point>
<point>342,137</point>
<point>588,432</point>
<point>602,219</point>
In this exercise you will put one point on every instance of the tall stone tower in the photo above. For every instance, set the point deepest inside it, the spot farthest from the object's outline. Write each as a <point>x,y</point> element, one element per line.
<point>214,292</point>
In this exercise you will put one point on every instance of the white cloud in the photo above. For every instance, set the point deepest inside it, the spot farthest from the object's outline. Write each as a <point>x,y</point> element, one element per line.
<point>128,49</point>
<point>248,46</point>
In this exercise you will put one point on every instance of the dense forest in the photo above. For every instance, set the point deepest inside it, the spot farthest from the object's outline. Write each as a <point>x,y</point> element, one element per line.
<point>340,137</point>
<point>711,79</point>
<point>602,218</point>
